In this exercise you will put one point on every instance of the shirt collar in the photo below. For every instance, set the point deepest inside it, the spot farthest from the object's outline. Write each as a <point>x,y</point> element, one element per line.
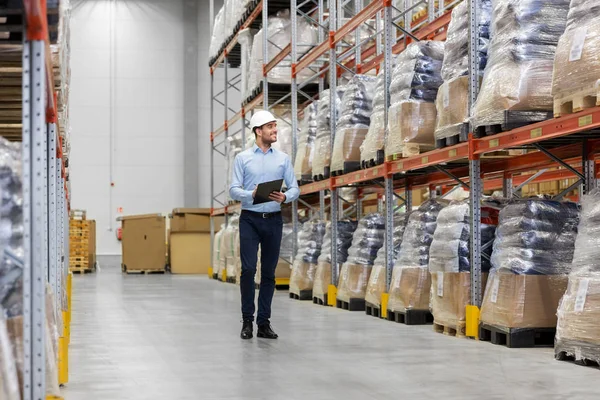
<point>255,148</point>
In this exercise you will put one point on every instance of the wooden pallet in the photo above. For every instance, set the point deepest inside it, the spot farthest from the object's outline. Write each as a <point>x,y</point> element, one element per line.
<point>577,352</point>
<point>576,101</point>
<point>304,295</point>
<point>352,305</point>
<point>451,330</point>
<point>373,310</point>
<point>78,214</point>
<point>410,317</point>
<point>144,271</point>
<point>81,270</point>
<point>319,301</point>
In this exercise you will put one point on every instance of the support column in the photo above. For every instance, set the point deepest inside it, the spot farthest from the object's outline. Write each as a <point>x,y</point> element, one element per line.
<point>191,162</point>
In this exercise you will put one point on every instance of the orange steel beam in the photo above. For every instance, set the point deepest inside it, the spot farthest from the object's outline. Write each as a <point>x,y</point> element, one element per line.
<point>250,106</point>
<point>553,128</point>
<point>363,15</point>
<point>255,13</point>
<point>277,59</point>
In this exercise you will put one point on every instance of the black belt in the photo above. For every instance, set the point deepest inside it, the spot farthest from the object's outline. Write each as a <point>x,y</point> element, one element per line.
<point>262,215</point>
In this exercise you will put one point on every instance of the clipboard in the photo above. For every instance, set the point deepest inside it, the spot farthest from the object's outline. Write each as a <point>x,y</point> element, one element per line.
<point>265,189</point>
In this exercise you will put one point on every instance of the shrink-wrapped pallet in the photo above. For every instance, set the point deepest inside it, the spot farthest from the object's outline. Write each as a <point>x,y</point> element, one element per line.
<point>366,242</point>
<point>576,81</point>
<point>532,256</point>
<point>377,280</point>
<point>217,37</point>
<point>449,261</point>
<point>345,231</point>
<point>284,134</point>
<point>310,241</point>
<point>413,90</point>
<point>521,56</point>
<point>216,254</point>
<point>279,36</point>
<point>323,142</point>
<point>353,123</point>
<point>577,331</point>
<point>232,255</point>
<point>373,144</point>
<point>306,144</point>
<point>410,284</point>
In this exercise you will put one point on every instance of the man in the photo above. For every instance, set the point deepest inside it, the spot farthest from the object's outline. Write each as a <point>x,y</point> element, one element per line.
<point>260,223</point>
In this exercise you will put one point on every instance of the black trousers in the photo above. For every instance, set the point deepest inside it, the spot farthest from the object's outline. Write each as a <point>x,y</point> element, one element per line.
<point>255,230</point>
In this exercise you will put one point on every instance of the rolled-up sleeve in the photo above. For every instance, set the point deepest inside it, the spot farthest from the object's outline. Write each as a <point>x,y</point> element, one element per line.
<point>236,189</point>
<point>293,192</point>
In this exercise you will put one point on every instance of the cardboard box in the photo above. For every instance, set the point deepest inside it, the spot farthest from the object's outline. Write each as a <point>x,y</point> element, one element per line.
<point>143,242</point>
<point>578,320</point>
<point>450,297</point>
<point>452,104</point>
<point>302,276</point>
<point>190,252</point>
<point>193,220</point>
<point>522,301</point>
<point>410,289</point>
<point>353,281</point>
<point>411,128</point>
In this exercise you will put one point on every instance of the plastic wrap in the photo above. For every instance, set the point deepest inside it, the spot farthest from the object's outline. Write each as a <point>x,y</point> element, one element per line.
<point>235,147</point>
<point>233,238</point>
<point>536,237</point>
<point>217,38</point>
<point>279,36</point>
<point>366,242</point>
<point>284,135</point>
<point>410,284</point>
<point>245,39</point>
<point>227,248</point>
<point>9,379</point>
<point>374,141</point>
<point>306,144</point>
<point>377,280</point>
<point>217,250</point>
<point>354,121</point>
<point>286,247</point>
<point>577,61</point>
<point>413,90</point>
<point>578,332</point>
<point>525,34</point>
<point>323,140</point>
<point>310,241</point>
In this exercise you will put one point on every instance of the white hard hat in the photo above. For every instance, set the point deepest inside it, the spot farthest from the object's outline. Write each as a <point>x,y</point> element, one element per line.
<point>260,118</point>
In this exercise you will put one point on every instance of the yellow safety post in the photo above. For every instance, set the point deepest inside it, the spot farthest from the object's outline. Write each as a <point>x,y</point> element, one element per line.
<point>331,295</point>
<point>210,272</point>
<point>385,298</point>
<point>67,314</point>
<point>63,361</point>
<point>49,397</point>
<point>472,321</point>
<point>224,275</point>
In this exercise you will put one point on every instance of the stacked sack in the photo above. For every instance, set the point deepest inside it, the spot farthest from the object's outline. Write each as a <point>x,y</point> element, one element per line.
<point>345,231</point>
<point>532,256</point>
<point>410,278</point>
<point>577,331</point>
<point>279,36</point>
<point>521,55</point>
<point>577,61</point>
<point>377,281</point>
<point>453,96</point>
<point>449,261</point>
<point>320,166</point>
<point>306,144</point>
<point>372,147</point>
<point>366,242</point>
<point>310,241</point>
<point>353,124</point>
<point>415,82</point>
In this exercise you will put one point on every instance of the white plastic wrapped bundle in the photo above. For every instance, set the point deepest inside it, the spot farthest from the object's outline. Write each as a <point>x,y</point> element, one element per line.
<point>452,103</point>
<point>577,62</point>
<point>233,238</point>
<point>245,39</point>
<point>306,144</point>
<point>354,120</point>
<point>577,331</point>
<point>323,141</point>
<point>235,147</point>
<point>286,247</point>
<point>9,380</point>
<point>374,141</point>
<point>410,278</point>
<point>366,242</point>
<point>217,250</point>
<point>217,37</point>
<point>413,90</point>
<point>377,280</point>
<point>521,55</point>
<point>310,241</point>
<point>279,36</point>
<point>284,135</point>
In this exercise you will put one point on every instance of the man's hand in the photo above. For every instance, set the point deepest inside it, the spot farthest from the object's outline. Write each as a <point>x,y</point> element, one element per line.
<point>277,196</point>
<point>254,192</point>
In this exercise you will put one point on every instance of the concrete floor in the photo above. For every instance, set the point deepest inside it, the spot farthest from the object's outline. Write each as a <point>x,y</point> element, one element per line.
<point>177,338</point>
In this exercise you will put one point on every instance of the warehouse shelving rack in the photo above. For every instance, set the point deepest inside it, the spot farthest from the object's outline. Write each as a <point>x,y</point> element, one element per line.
<point>565,148</point>
<point>45,195</point>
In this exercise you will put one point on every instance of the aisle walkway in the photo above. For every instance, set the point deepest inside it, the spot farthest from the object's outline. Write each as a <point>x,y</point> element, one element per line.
<point>177,338</point>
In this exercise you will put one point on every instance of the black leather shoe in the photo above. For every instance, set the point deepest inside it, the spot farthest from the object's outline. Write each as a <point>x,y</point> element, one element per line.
<point>246,330</point>
<point>265,331</point>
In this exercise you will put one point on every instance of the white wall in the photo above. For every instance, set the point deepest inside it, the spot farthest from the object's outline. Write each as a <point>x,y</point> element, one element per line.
<point>147,137</point>
<point>148,128</point>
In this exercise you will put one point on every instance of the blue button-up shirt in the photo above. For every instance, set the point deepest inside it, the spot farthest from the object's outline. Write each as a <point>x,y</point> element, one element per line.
<point>253,166</point>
